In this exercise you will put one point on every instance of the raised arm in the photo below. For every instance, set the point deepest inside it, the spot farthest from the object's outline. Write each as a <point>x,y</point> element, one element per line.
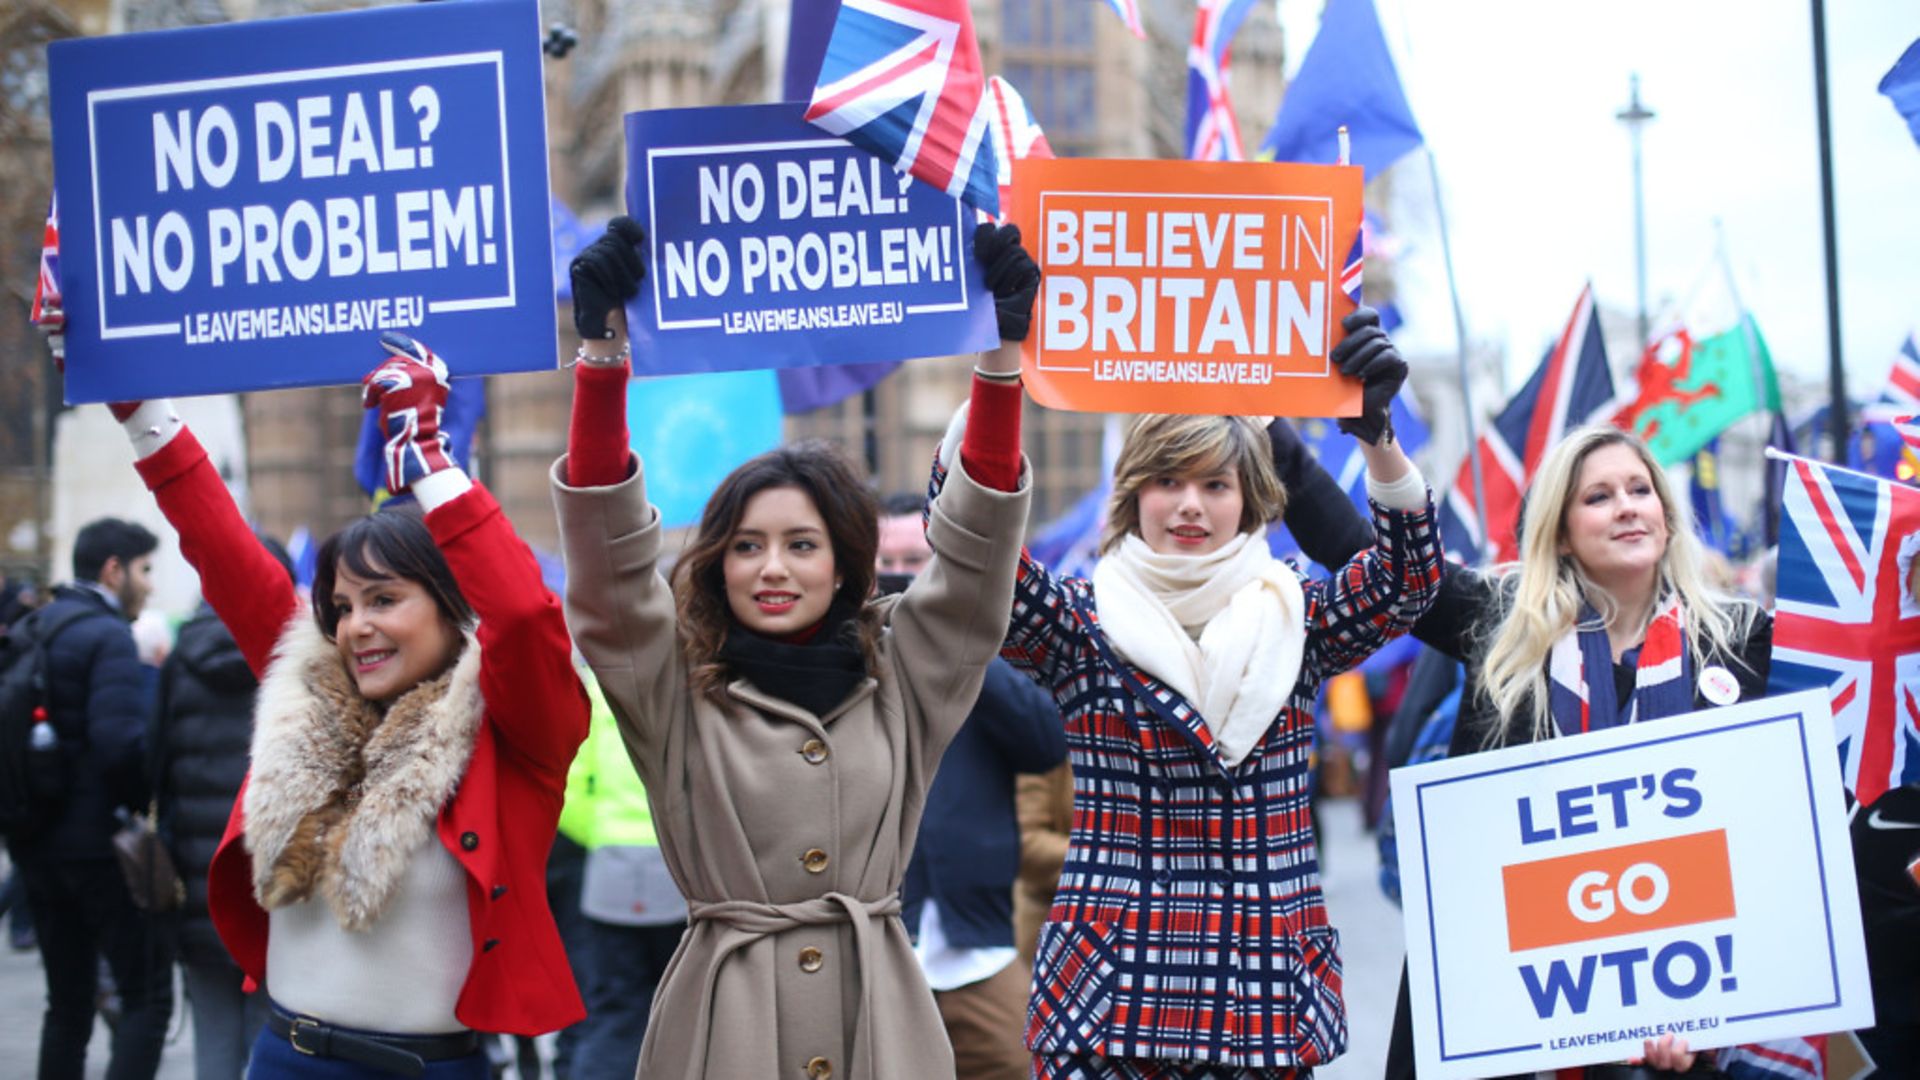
<point>1330,530</point>
<point>247,586</point>
<point>951,620</point>
<point>1378,594</point>
<point>618,604</point>
<point>535,702</point>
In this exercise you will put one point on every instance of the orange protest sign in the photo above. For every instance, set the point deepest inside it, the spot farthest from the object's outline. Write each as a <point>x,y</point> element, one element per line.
<point>1620,890</point>
<point>1188,287</point>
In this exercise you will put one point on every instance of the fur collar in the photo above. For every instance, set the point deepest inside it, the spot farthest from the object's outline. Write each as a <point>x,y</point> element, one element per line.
<point>342,796</point>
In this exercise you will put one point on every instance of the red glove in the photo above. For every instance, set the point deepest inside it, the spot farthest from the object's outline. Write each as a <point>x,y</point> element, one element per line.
<point>410,390</point>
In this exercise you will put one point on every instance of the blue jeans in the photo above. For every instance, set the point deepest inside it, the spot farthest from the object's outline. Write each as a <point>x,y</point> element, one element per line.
<point>627,964</point>
<point>274,1058</point>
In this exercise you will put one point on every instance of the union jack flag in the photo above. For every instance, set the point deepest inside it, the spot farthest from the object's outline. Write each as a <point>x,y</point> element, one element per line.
<point>1779,1059</point>
<point>902,79</point>
<point>1901,393</point>
<point>1845,621</point>
<point>1909,429</point>
<point>1572,384</point>
<point>1213,134</point>
<point>1350,274</point>
<point>47,309</point>
<point>1016,134</point>
<point>1129,12</point>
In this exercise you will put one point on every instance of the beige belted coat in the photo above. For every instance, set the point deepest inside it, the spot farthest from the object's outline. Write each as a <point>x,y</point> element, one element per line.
<point>789,832</point>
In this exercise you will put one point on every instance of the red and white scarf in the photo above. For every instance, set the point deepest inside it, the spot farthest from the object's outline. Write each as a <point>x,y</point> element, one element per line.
<point>1580,690</point>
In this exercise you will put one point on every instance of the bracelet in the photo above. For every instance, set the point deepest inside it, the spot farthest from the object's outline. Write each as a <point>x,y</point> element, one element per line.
<point>623,356</point>
<point>1005,378</point>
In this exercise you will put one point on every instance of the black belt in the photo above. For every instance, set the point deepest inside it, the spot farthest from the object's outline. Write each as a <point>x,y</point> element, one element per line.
<point>405,1055</point>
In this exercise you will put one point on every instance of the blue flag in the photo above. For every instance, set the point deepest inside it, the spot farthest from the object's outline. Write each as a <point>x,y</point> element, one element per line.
<point>692,430</point>
<point>1347,78</point>
<point>1902,87</point>
<point>1069,545</point>
<point>1709,512</point>
<point>1780,437</point>
<point>570,237</point>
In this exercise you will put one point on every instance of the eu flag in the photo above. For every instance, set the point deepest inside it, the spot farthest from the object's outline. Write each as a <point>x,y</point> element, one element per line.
<point>1347,78</point>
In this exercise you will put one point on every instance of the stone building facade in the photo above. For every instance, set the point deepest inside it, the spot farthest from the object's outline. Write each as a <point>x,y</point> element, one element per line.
<point>1096,90</point>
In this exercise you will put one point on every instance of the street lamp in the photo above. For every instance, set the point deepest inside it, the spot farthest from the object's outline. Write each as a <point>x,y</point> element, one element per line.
<point>1635,116</point>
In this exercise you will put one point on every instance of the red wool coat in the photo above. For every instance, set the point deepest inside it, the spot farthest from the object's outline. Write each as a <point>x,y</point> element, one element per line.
<point>500,823</point>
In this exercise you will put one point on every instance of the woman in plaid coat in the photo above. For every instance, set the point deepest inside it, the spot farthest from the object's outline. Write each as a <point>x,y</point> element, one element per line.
<point>1188,936</point>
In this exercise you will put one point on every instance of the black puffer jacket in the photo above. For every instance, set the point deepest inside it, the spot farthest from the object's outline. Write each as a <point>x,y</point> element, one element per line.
<point>99,708</point>
<point>203,728</point>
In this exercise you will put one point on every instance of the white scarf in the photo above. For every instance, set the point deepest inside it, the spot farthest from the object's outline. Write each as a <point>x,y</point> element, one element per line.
<point>1251,620</point>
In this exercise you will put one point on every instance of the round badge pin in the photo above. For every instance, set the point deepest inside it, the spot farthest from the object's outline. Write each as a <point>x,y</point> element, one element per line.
<point>1718,685</point>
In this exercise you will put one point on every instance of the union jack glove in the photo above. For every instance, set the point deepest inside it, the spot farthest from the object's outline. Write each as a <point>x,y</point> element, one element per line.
<point>410,390</point>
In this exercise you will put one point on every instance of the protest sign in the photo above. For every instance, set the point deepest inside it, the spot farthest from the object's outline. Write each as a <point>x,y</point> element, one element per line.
<point>1567,899</point>
<point>246,206</point>
<point>1188,287</point>
<point>773,245</point>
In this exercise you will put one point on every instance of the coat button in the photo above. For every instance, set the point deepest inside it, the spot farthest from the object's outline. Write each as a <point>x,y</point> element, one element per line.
<point>811,959</point>
<point>499,891</point>
<point>819,1068</point>
<point>815,861</point>
<point>469,841</point>
<point>814,751</point>
<point>1164,877</point>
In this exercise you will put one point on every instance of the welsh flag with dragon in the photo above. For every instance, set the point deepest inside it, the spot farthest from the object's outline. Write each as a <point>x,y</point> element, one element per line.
<point>1707,367</point>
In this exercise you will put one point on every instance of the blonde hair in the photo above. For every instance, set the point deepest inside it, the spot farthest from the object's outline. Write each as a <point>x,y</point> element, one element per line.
<point>1163,444</point>
<point>1541,596</point>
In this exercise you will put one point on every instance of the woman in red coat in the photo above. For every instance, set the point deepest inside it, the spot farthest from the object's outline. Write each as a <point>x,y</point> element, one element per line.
<point>383,871</point>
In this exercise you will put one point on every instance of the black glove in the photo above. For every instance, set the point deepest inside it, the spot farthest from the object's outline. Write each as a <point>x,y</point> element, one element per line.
<point>1011,274</point>
<point>606,275</point>
<point>1367,354</point>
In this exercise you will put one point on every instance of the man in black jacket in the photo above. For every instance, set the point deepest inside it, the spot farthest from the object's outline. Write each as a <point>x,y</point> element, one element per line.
<point>958,892</point>
<point>203,728</point>
<point>81,906</point>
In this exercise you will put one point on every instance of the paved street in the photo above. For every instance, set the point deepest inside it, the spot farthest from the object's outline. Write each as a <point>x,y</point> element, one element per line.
<point>23,996</point>
<point>1369,937</point>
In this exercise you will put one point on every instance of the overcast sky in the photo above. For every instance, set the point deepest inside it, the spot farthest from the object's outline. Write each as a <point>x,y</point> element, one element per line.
<point>1517,100</point>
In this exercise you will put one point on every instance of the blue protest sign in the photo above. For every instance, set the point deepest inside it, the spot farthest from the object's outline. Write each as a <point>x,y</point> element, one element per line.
<point>246,206</point>
<point>773,245</point>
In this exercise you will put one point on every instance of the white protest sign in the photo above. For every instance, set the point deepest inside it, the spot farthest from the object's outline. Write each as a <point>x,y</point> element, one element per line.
<point>1568,899</point>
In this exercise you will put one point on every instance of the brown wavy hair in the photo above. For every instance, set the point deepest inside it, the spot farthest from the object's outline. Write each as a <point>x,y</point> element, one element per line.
<point>852,517</point>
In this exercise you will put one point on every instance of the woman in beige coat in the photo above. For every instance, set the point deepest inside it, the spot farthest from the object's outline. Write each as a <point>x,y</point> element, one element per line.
<point>785,726</point>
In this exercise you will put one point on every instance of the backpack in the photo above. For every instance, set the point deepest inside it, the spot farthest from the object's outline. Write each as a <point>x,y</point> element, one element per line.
<point>33,782</point>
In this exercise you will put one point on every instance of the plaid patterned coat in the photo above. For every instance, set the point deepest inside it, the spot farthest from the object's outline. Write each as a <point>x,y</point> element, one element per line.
<point>1188,924</point>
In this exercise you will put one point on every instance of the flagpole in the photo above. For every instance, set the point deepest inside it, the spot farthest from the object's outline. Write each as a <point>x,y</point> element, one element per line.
<point>1466,386</point>
<point>1836,370</point>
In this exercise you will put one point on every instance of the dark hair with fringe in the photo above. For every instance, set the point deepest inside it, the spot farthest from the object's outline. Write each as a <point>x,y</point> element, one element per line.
<point>393,543</point>
<point>851,513</point>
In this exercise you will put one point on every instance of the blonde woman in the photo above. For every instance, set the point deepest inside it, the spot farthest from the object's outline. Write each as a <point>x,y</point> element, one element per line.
<point>1188,936</point>
<point>1606,619</point>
